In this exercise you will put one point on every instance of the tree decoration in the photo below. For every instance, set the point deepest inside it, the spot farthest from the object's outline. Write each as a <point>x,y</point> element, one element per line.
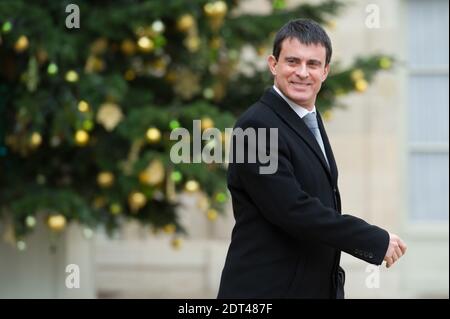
<point>21,44</point>
<point>35,140</point>
<point>109,115</point>
<point>105,179</point>
<point>153,135</point>
<point>192,186</point>
<point>81,137</point>
<point>56,222</point>
<point>212,214</point>
<point>83,106</point>
<point>153,174</point>
<point>185,23</point>
<point>215,11</point>
<point>136,201</point>
<point>71,76</point>
<point>176,243</point>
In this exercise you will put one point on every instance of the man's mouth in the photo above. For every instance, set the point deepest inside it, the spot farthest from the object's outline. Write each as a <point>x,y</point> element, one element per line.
<point>300,84</point>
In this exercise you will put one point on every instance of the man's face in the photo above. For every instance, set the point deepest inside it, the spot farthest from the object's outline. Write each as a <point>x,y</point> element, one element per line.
<point>299,71</point>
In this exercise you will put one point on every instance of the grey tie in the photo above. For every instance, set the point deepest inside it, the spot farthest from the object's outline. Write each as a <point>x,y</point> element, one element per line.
<point>310,120</point>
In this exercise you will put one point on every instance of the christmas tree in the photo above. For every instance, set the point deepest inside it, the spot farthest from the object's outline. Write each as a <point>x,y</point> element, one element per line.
<point>86,112</point>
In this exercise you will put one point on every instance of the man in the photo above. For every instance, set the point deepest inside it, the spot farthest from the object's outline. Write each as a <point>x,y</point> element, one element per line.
<point>289,230</point>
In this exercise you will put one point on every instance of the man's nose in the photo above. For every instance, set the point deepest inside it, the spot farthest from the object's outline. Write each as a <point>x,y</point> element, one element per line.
<point>302,71</point>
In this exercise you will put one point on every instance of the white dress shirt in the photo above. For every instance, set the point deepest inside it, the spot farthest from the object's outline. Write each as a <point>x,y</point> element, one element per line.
<point>300,110</point>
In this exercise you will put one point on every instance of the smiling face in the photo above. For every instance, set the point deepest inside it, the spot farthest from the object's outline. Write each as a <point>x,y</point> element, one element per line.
<point>299,71</point>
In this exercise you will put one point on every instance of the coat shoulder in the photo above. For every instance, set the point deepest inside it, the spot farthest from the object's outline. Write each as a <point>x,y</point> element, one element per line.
<point>258,115</point>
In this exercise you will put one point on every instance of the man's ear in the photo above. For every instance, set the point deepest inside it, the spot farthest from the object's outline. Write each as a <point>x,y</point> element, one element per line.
<point>326,70</point>
<point>272,62</point>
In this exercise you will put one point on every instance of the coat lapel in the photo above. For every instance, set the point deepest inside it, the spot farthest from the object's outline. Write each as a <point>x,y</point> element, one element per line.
<point>328,150</point>
<point>284,111</point>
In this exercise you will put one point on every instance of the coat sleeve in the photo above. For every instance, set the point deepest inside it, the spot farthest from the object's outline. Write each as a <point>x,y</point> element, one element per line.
<point>283,202</point>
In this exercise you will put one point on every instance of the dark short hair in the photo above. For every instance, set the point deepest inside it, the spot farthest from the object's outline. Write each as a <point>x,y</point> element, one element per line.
<point>307,32</point>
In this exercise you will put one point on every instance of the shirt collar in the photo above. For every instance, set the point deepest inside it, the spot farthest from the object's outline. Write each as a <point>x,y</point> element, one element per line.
<point>300,110</point>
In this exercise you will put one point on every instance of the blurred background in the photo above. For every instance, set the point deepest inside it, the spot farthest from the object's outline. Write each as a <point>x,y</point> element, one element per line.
<point>90,93</point>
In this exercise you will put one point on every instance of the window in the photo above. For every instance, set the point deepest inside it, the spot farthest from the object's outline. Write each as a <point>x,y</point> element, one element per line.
<point>428,111</point>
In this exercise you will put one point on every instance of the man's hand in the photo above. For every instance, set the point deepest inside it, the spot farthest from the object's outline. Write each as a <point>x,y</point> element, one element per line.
<point>396,249</point>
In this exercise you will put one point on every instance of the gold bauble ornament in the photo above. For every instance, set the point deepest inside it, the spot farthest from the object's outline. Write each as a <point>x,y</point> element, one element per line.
<point>357,74</point>
<point>327,115</point>
<point>212,214</point>
<point>361,85</point>
<point>192,43</point>
<point>109,115</point>
<point>21,44</point>
<point>35,140</point>
<point>81,137</point>
<point>145,44</point>
<point>94,64</point>
<point>128,47</point>
<point>136,200</point>
<point>169,228</point>
<point>105,179</point>
<point>153,135</point>
<point>71,76</point>
<point>56,222</point>
<point>153,174</point>
<point>83,106</point>
<point>185,23</point>
<point>331,25</point>
<point>192,186</point>
<point>207,122</point>
<point>216,9</point>
<point>176,243</point>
